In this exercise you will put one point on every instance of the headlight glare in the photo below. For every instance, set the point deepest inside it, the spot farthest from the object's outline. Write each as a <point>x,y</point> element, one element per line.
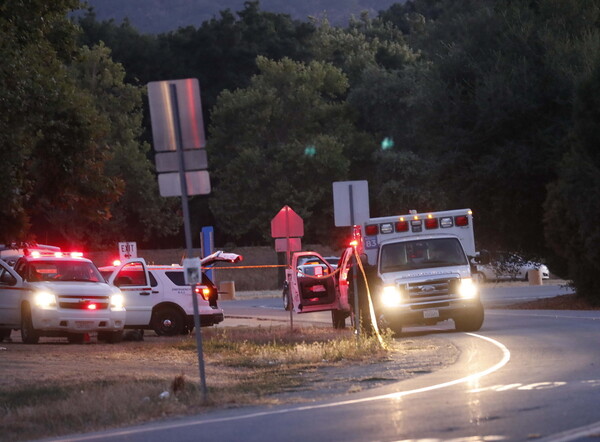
<point>391,296</point>
<point>117,301</point>
<point>45,300</point>
<point>467,289</point>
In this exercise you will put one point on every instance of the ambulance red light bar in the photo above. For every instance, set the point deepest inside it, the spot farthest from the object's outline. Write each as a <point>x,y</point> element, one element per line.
<point>461,221</point>
<point>402,225</point>
<point>431,222</point>
<point>371,230</point>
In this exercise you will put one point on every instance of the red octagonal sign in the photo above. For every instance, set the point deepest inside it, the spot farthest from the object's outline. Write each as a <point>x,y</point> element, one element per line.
<point>287,224</point>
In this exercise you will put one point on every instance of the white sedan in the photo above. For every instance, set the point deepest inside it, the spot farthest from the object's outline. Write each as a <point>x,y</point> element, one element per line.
<point>505,266</point>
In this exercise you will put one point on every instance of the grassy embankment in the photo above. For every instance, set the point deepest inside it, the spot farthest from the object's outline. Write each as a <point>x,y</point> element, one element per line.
<point>243,366</point>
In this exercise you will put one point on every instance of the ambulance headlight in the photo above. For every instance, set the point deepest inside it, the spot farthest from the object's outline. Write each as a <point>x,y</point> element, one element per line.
<point>45,300</point>
<point>117,301</point>
<point>391,296</point>
<point>467,289</point>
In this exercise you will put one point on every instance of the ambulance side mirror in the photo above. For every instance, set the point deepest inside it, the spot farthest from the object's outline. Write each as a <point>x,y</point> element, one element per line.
<point>483,257</point>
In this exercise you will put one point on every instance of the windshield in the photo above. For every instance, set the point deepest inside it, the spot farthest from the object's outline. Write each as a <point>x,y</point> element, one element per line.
<point>422,254</point>
<point>62,270</point>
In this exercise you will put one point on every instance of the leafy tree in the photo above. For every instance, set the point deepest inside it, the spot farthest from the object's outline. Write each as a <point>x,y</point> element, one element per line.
<point>291,126</point>
<point>52,163</point>
<point>573,201</point>
<point>221,52</point>
<point>140,214</point>
<point>493,106</point>
<point>68,134</point>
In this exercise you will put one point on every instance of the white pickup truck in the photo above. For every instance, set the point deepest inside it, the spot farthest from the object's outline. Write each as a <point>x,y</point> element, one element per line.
<point>158,298</point>
<point>49,293</point>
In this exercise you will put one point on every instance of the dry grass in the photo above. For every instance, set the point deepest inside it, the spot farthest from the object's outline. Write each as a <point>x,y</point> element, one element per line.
<point>67,389</point>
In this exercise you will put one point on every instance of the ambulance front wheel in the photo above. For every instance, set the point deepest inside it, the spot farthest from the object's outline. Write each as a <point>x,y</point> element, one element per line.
<point>470,320</point>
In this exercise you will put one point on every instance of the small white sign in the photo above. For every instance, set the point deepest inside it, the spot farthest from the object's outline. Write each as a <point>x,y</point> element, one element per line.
<point>350,203</point>
<point>191,271</point>
<point>127,250</point>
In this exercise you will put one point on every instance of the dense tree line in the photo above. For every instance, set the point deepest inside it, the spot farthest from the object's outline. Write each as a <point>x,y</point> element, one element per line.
<point>490,105</point>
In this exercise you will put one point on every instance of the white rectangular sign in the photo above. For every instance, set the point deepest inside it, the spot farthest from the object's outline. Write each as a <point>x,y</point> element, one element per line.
<point>198,183</point>
<point>350,202</point>
<point>127,250</point>
<point>188,107</point>
<point>191,271</point>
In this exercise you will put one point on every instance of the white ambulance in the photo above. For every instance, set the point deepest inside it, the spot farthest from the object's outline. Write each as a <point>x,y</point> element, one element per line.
<point>158,298</point>
<point>47,292</point>
<point>421,267</point>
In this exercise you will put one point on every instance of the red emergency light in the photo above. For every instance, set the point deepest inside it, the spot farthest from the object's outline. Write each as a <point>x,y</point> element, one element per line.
<point>92,306</point>
<point>431,223</point>
<point>371,230</point>
<point>461,221</point>
<point>402,226</point>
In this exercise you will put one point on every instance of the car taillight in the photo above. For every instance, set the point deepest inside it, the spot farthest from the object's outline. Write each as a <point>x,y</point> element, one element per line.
<point>431,223</point>
<point>92,306</point>
<point>461,221</point>
<point>402,226</point>
<point>371,230</point>
<point>205,292</point>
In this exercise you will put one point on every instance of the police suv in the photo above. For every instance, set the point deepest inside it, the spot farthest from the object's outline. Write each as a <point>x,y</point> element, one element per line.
<point>158,298</point>
<point>50,293</point>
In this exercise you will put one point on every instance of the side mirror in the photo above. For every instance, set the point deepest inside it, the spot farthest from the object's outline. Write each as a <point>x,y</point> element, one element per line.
<point>483,257</point>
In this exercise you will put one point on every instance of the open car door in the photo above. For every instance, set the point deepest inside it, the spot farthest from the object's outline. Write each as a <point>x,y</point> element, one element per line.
<point>133,280</point>
<point>312,284</point>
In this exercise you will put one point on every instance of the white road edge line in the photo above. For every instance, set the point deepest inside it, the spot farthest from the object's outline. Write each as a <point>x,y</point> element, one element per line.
<point>492,369</point>
<point>574,434</point>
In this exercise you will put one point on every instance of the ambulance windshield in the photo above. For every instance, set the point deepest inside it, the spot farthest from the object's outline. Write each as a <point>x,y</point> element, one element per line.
<point>421,254</point>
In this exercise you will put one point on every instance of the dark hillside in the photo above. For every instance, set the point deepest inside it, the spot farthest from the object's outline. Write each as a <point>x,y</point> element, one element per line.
<point>158,16</point>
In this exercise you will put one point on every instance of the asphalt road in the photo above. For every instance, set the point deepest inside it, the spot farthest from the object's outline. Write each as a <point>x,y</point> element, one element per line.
<point>525,375</point>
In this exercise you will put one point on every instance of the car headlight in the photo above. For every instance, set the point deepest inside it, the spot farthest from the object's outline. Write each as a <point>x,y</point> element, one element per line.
<point>391,296</point>
<point>467,288</point>
<point>117,301</point>
<point>45,300</point>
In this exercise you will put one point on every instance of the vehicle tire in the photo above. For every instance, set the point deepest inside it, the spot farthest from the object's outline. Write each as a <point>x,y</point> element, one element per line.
<point>338,318</point>
<point>287,306</point>
<point>76,338</point>
<point>4,333</point>
<point>470,320</point>
<point>29,335</point>
<point>167,321</point>
<point>111,337</point>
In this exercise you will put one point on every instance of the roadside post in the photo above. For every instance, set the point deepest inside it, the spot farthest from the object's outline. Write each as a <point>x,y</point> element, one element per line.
<point>351,208</point>
<point>287,227</point>
<point>178,138</point>
<point>207,245</point>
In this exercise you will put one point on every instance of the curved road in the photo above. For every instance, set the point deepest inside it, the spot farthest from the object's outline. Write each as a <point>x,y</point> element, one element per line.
<point>525,375</point>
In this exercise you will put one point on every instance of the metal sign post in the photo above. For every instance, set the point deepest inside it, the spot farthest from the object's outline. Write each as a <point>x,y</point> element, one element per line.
<point>178,138</point>
<point>351,207</point>
<point>288,224</point>
<point>188,235</point>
